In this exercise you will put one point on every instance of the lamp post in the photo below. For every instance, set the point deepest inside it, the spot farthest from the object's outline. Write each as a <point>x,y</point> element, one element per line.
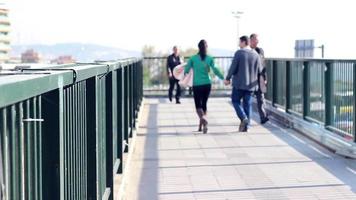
<point>237,15</point>
<point>322,47</point>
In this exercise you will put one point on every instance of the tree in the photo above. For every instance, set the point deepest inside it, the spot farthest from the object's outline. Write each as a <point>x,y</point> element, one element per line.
<point>188,52</point>
<point>154,67</point>
<point>148,51</point>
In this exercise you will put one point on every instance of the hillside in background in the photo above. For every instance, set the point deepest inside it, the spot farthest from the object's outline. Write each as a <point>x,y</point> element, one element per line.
<point>81,52</point>
<point>89,52</point>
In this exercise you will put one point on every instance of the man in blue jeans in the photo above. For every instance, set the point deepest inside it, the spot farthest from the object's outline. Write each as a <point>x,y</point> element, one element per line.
<point>244,70</point>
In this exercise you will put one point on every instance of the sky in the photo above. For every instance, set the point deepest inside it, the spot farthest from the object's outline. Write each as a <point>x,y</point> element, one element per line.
<point>131,24</point>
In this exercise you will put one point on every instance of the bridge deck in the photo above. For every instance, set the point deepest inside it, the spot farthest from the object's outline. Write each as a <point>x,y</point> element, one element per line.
<point>171,161</point>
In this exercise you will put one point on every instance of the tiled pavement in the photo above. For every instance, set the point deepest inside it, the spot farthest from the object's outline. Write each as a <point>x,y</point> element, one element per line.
<point>171,161</point>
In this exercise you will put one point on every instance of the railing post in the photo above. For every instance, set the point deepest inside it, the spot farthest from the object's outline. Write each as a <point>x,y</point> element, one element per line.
<point>126,105</point>
<point>111,129</point>
<point>141,81</point>
<point>137,81</point>
<point>134,92</point>
<point>329,91</point>
<point>274,83</point>
<point>354,106</point>
<point>288,86</point>
<point>120,118</point>
<point>91,107</point>
<point>53,145</point>
<point>2,163</point>
<point>132,98</point>
<point>306,89</point>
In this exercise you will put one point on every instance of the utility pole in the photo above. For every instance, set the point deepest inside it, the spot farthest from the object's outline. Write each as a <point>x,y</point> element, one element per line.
<point>237,15</point>
<point>322,47</point>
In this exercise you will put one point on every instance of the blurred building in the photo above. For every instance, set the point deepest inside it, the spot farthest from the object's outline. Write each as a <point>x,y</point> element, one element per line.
<point>14,60</point>
<point>64,60</point>
<point>4,34</point>
<point>30,56</point>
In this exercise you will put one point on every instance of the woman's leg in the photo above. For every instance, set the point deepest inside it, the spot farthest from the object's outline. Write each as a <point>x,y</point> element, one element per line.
<point>197,97</point>
<point>198,105</point>
<point>205,96</point>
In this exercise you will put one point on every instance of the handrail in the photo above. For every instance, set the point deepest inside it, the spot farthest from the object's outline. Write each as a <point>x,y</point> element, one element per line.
<point>63,128</point>
<point>318,90</point>
<point>269,58</point>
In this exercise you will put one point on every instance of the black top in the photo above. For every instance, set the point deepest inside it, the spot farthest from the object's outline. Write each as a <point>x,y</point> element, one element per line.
<point>260,51</point>
<point>262,54</point>
<point>172,62</point>
<point>263,74</point>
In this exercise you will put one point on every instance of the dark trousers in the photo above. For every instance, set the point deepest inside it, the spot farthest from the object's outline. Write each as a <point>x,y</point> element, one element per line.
<point>243,111</point>
<point>172,83</point>
<point>201,96</point>
<point>260,96</point>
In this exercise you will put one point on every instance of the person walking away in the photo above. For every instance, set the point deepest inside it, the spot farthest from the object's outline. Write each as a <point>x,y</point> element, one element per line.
<point>172,61</point>
<point>262,80</point>
<point>202,64</point>
<point>244,70</point>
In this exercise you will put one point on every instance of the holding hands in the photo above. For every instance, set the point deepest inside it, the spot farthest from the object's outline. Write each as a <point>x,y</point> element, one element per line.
<point>227,82</point>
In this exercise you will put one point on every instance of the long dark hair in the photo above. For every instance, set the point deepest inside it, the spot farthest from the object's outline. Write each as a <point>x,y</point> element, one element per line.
<point>202,49</point>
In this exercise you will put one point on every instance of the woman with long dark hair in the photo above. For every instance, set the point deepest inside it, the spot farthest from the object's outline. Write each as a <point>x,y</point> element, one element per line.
<point>202,64</point>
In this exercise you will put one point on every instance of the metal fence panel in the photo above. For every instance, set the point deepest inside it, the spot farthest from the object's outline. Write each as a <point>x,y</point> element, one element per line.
<point>60,140</point>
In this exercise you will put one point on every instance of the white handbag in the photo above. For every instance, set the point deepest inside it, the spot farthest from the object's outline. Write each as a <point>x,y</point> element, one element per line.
<point>187,80</point>
<point>178,71</point>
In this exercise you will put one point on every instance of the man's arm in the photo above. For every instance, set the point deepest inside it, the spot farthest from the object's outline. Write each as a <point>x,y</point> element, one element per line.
<point>259,65</point>
<point>263,63</point>
<point>234,67</point>
<point>169,72</point>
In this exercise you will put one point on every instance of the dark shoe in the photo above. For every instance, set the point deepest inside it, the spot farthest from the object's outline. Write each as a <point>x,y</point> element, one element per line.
<point>203,122</point>
<point>205,125</point>
<point>205,129</point>
<point>265,120</point>
<point>245,130</point>
<point>200,126</point>
<point>243,125</point>
<point>200,114</point>
<point>170,99</point>
<point>177,102</point>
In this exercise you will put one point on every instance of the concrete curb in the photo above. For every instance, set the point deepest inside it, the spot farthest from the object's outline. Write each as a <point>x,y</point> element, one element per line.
<point>316,132</point>
<point>120,195</point>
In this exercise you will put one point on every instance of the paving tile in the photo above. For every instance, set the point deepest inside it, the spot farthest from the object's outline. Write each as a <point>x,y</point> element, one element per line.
<point>172,161</point>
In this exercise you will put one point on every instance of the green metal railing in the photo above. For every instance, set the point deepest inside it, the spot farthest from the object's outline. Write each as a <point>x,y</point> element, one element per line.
<point>64,130</point>
<point>320,91</point>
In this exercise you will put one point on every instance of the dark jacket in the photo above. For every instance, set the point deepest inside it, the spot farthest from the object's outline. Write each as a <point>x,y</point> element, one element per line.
<point>263,75</point>
<point>245,68</point>
<point>172,62</point>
